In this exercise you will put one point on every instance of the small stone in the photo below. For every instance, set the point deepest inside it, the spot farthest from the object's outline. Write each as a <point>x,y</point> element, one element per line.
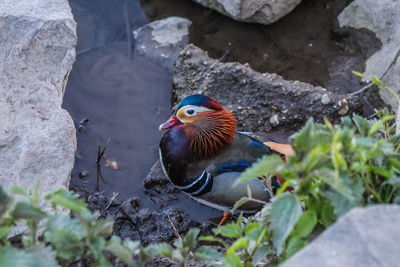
<point>325,99</point>
<point>163,40</point>
<point>274,120</point>
<point>83,174</point>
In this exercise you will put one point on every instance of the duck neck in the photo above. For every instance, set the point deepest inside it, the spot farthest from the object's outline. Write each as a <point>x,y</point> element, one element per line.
<point>212,133</point>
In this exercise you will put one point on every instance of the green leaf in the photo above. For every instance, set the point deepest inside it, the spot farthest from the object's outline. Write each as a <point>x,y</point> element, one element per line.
<point>4,230</point>
<point>362,124</point>
<point>380,171</point>
<point>267,165</point>
<point>327,212</point>
<point>231,230</point>
<point>68,200</point>
<point>24,210</point>
<point>242,242</point>
<point>303,140</point>
<point>329,177</point>
<point>359,74</point>
<point>375,127</point>
<point>294,245</point>
<point>208,254</point>
<point>232,260</point>
<point>163,249</point>
<point>96,245</point>
<point>45,256</point>
<point>124,251</point>
<point>65,235</point>
<point>253,230</point>
<point>240,203</point>
<point>63,222</point>
<point>305,224</point>
<point>102,226</point>
<point>210,238</point>
<point>10,256</point>
<point>376,81</point>
<point>284,214</point>
<point>340,204</point>
<point>190,239</point>
<point>19,191</point>
<point>260,254</point>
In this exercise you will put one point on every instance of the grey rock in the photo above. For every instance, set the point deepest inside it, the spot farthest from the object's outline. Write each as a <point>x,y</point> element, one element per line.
<point>37,136</point>
<point>162,40</point>
<point>363,237</point>
<point>260,11</point>
<point>381,17</point>
<point>265,102</point>
<point>325,99</point>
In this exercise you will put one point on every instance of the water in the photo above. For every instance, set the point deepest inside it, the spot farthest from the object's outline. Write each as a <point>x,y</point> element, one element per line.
<point>125,98</point>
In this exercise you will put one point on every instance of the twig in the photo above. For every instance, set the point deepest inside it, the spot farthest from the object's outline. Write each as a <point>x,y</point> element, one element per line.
<point>115,194</point>
<point>362,89</point>
<point>257,200</point>
<point>173,226</point>
<point>220,59</point>
<point>100,155</point>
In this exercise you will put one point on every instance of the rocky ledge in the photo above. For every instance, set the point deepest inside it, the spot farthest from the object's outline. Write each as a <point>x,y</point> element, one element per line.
<point>261,102</point>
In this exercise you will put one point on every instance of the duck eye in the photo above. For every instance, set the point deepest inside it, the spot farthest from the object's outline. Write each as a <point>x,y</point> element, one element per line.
<point>190,111</point>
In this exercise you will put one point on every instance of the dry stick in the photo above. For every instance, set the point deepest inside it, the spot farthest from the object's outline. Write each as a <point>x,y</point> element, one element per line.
<point>173,226</point>
<point>176,232</point>
<point>362,89</point>
<point>115,194</point>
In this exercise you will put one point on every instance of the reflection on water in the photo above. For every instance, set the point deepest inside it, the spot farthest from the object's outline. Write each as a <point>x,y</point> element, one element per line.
<point>125,97</point>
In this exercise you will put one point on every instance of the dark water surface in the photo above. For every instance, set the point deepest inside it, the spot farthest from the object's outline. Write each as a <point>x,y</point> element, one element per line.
<point>125,98</point>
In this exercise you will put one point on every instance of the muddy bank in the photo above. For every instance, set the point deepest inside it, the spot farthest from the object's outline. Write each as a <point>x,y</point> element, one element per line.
<point>143,224</point>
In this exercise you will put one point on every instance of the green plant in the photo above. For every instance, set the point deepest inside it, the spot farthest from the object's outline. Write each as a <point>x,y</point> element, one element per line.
<point>335,168</point>
<point>67,237</point>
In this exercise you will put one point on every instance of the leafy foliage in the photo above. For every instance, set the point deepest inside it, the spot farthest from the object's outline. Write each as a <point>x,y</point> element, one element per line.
<point>334,169</point>
<point>67,237</point>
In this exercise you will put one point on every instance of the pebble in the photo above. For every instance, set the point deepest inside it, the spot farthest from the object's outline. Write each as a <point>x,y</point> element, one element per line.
<point>325,99</point>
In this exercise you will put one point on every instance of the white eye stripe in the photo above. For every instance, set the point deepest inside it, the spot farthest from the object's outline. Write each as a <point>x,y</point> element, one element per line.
<point>191,110</point>
<point>196,109</point>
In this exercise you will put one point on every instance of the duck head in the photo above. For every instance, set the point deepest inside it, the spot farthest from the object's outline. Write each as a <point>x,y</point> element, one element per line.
<point>207,126</point>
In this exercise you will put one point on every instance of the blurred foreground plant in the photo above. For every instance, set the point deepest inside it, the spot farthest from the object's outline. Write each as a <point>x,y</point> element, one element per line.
<point>69,235</point>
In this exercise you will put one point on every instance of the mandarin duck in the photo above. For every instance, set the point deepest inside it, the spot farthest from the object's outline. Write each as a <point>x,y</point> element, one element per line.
<point>202,154</point>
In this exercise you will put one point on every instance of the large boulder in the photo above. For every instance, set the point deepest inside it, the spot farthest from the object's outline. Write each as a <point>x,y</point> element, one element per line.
<point>381,17</point>
<point>260,102</point>
<point>37,136</point>
<point>162,40</point>
<point>260,11</point>
<point>363,237</point>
